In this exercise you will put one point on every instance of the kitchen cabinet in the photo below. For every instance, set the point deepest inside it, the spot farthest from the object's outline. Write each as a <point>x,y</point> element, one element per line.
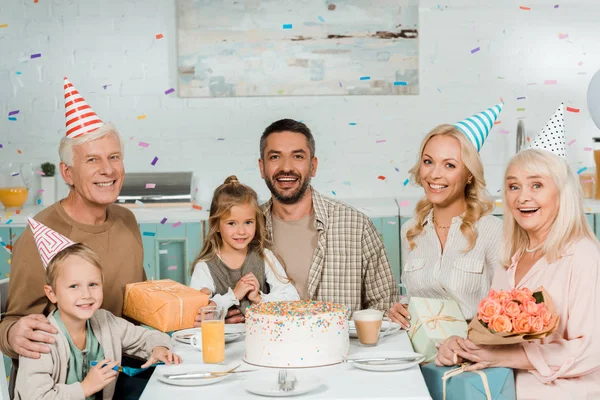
<point>389,232</point>
<point>169,251</point>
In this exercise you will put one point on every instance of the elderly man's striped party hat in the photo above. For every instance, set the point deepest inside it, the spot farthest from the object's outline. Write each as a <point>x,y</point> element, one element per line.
<point>48,242</point>
<point>478,127</point>
<point>80,118</point>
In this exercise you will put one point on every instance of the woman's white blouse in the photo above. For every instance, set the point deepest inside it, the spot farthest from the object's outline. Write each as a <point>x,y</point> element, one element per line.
<point>453,274</point>
<point>278,290</point>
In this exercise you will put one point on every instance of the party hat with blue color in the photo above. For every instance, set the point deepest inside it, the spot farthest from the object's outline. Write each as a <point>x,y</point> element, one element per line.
<point>552,137</point>
<point>478,127</point>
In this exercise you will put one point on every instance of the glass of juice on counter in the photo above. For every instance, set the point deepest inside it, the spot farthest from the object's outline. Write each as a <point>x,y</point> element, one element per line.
<point>15,179</point>
<point>213,334</point>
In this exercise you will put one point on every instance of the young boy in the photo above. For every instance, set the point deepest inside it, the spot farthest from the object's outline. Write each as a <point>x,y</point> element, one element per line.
<point>86,333</point>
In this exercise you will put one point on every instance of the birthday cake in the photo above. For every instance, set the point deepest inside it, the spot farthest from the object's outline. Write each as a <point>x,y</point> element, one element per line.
<point>296,334</point>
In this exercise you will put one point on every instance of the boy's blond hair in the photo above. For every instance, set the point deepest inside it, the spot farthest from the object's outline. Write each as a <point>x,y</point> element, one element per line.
<point>78,249</point>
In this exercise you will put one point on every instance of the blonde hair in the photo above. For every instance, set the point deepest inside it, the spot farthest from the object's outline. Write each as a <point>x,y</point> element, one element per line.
<point>65,150</point>
<point>78,249</point>
<point>476,195</point>
<point>570,223</point>
<point>232,193</point>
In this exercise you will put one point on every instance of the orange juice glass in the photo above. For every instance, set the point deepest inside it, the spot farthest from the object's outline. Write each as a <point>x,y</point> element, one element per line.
<point>13,197</point>
<point>213,334</point>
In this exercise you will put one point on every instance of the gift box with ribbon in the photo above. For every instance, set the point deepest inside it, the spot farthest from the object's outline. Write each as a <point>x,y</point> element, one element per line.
<point>432,322</point>
<point>164,305</point>
<point>454,383</point>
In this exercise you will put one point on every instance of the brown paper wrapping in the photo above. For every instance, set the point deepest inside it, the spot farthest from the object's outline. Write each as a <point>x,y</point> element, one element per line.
<point>165,305</point>
<point>481,335</point>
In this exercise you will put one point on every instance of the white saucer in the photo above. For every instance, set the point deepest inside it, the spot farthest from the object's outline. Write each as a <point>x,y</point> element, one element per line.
<point>180,335</point>
<point>178,369</point>
<point>384,326</point>
<point>389,366</point>
<point>270,388</point>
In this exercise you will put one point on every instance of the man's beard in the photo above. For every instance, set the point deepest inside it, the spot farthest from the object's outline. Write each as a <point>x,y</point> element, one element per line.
<point>291,198</point>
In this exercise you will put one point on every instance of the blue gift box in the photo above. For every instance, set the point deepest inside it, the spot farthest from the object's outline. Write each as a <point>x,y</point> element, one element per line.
<point>469,385</point>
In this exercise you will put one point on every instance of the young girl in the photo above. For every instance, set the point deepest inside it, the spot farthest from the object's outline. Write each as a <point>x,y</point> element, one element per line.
<point>235,265</point>
<point>85,332</point>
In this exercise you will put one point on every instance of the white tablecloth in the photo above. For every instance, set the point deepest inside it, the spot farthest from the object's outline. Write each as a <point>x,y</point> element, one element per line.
<point>341,382</point>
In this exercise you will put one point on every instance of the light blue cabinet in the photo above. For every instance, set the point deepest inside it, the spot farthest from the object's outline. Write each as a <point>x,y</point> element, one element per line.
<point>4,252</point>
<point>169,251</point>
<point>389,232</point>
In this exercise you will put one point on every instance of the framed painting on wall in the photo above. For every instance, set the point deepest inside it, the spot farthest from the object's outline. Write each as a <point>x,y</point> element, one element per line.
<point>297,47</point>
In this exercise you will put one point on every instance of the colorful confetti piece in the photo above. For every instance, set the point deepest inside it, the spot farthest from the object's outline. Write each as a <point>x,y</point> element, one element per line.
<point>36,55</point>
<point>39,201</point>
<point>287,26</point>
<point>149,234</point>
<point>404,203</point>
<point>333,193</point>
<point>172,267</point>
<point>321,18</point>
<point>504,131</point>
<point>9,222</point>
<point>176,224</point>
<point>381,141</point>
<point>168,91</point>
<point>571,142</point>
<point>4,26</point>
<point>162,222</point>
<point>525,8</point>
<point>12,118</point>
<point>365,78</point>
<point>154,161</point>
<point>396,169</point>
<point>159,36</point>
<point>475,50</point>
<point>497,122</point>
<point>352,123</point>
<point>19,151</point>
<point>40,173</point>
<point>143,144</point>
<point>579,171</point>
<point>381,177</point>
<point>563,35</point>
<point>573,110</point>
<point>550,82</point>
<point>400,83</point>
<point>587,149</point>
<point>520,109</point>
<point>150,185</point>
<point>406,181</point>
<point>522,98</point>
<point>39,191</point>
<point>15,112</point>
<point>197,207</point>
<point>105,86</point>
<point>140,117</point>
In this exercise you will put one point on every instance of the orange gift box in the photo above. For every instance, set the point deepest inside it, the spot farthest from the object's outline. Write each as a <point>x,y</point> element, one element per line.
<point>165,305</point>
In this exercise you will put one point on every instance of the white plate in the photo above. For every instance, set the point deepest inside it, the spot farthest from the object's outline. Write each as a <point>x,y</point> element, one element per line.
<point>384,326</point>
<point>179,335</point>
<point>178,369</point>
<point>387,367</point>
<point>269,387</point>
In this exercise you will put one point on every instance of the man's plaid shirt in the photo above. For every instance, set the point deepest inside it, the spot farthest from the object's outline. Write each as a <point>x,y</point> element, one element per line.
<point>349,265</point>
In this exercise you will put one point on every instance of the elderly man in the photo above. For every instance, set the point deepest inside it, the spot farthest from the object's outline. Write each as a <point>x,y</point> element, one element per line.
<point>332,251</point>
<point>92,165</point>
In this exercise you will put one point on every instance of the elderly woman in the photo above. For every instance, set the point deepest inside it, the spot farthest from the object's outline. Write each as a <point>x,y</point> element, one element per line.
<point>547,242</point>
<point>450,247</point>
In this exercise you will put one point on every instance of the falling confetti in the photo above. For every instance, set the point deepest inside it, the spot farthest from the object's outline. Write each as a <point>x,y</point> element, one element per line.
<point>143,144</point>
<point>140,117</point>
<point>159,36</point>
<point>36,55</point>
<point>381,141</point>
<point>15,112</point>
<point>573,110</point>
<point>287,26</point>
<point>321,18</point>
<point>172,267</point>
<point>149,234</point>
<point>400,83</point>
<point>381,177</point>
<point>176,224</point>
<point>563,35</point>
<point>332,192</point>
<point>352,123</point>
<point>365,78</point>
<point>162,222</point>
<point>550,82</point>
<point>168,91</point>
<point>197,207</point>
<point>579,171</point>
<point>525,8</point>
<point>404,203</point>
<point>587,149</point>
<point>154,161</point>
<point>150,185</point>
<point>406,181</point>
<point>475,50</point>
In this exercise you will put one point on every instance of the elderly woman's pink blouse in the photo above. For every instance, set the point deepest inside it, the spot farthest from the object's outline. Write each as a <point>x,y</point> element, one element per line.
<point>567,363</point>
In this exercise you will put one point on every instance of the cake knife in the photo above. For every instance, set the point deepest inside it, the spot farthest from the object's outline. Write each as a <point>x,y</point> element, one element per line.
<point>386,360</point>
<point>203,375</point>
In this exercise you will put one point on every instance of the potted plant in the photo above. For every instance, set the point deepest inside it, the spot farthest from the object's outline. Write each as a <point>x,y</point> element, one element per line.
<point>48,184</point>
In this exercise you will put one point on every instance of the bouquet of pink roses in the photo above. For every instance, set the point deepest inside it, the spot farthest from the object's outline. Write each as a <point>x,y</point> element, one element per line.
<point>513,317</point>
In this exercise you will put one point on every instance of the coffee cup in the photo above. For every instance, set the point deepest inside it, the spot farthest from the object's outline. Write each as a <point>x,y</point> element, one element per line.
<point>368,326</point>
<point>196,340</point>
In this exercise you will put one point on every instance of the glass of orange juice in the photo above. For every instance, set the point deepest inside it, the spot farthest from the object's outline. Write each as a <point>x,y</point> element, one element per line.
<point>213,334</point>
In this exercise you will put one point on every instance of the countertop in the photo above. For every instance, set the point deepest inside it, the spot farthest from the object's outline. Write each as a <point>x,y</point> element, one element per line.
<point>372,207</point>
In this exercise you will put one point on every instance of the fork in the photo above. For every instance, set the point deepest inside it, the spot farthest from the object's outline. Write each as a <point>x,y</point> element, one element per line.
<point>290,385</point>
<point>281,378</point>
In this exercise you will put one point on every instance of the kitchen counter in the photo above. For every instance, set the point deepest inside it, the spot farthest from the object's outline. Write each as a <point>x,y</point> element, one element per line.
<point>372,207</point>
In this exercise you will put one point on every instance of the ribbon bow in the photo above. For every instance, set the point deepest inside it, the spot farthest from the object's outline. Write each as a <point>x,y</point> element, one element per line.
<point>457,371</point>
<point>433,321</point>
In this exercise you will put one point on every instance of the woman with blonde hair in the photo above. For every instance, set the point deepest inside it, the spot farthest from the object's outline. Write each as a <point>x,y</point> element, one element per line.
<point>548,242</point>
<point>449,249</point>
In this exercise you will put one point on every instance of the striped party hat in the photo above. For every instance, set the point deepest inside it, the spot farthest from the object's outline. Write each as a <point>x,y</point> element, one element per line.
<point>552,137</point>
<point>48,242</point>
<point>80,117</point>
<point>478,127</point>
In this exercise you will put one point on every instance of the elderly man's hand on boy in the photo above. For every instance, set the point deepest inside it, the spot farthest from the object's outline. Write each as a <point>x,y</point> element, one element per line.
<point>26,336</point>
<point>163,354</point>
<point>99,376</point>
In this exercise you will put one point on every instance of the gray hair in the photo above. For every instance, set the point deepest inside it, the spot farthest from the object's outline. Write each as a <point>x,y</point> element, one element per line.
<point>65,150</point>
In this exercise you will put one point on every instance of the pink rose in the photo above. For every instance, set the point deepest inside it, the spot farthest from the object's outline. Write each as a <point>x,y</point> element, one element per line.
<point>537,324</point>
<point>522,323</point>
<point>545,315</point>
<point>488,308</point>
<point>500,324</point>
<point>522,295</point>
<point>530,307</point>
<point>511,309</point>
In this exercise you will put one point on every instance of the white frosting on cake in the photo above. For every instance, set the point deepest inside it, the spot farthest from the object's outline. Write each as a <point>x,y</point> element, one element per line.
<point>296,334</point>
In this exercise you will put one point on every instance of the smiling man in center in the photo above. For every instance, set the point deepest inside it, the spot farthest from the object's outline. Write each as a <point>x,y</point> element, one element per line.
<point>332,252</point>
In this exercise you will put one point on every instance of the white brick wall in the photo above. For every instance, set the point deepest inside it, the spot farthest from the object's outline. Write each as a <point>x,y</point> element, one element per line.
<point>112,42</point>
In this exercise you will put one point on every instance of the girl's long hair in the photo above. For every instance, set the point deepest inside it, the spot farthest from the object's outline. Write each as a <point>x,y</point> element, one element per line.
<point>476,195</point>
<point>233,193</point>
